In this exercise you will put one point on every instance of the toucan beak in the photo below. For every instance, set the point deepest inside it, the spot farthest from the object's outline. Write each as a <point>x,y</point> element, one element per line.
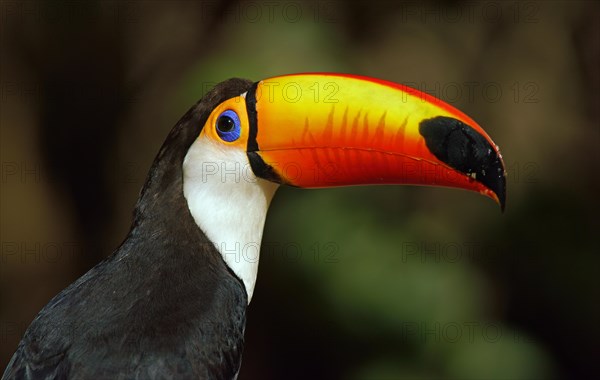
<point>322,130</point>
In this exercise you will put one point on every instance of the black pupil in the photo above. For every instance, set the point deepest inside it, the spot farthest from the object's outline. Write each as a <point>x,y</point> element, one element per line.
<point>225,124</point>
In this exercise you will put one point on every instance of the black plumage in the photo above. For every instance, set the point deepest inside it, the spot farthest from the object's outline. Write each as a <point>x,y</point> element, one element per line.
<point>164,305</point>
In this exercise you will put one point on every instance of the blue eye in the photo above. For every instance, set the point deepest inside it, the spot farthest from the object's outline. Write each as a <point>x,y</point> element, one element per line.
<point>228,126</point>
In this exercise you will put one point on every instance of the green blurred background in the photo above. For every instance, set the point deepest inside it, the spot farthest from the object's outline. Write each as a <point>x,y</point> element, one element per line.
<point>354,283</point>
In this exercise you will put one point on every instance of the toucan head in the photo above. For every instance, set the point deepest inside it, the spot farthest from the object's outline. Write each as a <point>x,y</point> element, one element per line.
<point>324,130</point>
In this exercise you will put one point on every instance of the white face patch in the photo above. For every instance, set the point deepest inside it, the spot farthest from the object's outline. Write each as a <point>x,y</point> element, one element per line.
<point>229,203</point>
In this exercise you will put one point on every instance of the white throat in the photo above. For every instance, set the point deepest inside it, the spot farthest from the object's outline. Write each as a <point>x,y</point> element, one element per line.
<point>229,203</point>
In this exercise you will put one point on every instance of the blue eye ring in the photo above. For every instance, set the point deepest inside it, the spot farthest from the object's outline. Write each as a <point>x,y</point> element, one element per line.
<point>228,126</point>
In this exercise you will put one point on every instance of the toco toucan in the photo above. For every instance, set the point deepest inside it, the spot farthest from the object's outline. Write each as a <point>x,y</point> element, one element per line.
<point>171,301</point>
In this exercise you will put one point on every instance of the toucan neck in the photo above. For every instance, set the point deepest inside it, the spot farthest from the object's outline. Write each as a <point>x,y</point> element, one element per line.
<point>229,203</point>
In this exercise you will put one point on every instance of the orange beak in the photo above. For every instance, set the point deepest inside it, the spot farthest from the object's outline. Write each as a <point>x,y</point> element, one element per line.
<point>323,130</point>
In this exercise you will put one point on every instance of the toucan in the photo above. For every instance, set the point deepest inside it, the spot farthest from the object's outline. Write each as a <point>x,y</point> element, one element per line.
<point>170,302</point>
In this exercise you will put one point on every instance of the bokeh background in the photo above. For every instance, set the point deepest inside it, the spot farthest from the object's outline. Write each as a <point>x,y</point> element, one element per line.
<point>354,283</point>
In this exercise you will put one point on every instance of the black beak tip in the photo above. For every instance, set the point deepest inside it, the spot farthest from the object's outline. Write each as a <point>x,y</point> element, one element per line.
<point>499,186</point>
<point>492,174</point>
<point>466,150</point>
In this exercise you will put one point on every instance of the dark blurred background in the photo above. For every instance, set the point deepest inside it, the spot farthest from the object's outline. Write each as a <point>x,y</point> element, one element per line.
<point>354,283</point>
